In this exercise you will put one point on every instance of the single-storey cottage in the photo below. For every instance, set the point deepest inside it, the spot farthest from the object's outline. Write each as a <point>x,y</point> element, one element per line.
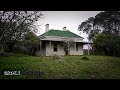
<point>60,42</point>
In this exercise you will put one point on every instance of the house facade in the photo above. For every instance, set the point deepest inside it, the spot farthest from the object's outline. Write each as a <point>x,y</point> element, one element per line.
<point>60,42</point>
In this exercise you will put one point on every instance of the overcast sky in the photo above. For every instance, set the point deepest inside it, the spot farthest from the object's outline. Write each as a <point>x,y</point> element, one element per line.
<point>69,19</point>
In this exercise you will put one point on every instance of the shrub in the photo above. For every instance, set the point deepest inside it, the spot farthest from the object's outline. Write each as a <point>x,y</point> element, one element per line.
<point>85,58</point>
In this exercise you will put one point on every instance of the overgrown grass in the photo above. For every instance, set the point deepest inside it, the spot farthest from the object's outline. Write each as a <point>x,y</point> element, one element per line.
<point>71,67</point>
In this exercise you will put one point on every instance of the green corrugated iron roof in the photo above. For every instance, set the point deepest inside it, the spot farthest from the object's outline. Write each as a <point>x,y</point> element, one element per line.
<point>60,33</point>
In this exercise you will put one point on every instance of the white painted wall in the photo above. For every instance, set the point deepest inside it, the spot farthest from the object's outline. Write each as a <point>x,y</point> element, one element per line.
<point>74,52</point>
<point>60,51</point>
<point>50,51</point>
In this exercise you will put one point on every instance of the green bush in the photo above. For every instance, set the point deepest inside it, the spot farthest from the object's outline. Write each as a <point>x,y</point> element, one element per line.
<point>85,58</point>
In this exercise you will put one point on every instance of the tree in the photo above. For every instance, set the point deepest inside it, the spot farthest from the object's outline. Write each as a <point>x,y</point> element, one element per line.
<point>31,43</point>
<point>88,28</point>
<point>13,24</point>
<point>107,44</point>
<point>107,22</point>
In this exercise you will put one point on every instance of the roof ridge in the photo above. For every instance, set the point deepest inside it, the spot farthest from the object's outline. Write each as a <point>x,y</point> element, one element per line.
<point>57,29</point>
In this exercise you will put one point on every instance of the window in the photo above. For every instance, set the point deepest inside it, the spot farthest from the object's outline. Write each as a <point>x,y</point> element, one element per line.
<point>55,47</point>
<point>76,46</point>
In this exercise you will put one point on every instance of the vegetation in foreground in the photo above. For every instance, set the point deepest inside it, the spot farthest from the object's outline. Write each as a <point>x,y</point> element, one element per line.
<point>67,67</point>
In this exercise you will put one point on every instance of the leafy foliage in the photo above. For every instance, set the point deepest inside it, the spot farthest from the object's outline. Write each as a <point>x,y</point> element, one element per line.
<point>107,22</point>
<point>31,43</point>
<point>14,24</point>
<point>85,58</point>
<point>106,44</point>
<point>104,29</point>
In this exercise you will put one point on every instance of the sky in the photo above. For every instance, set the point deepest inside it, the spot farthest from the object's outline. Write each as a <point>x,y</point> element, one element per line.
<point>69,19</point>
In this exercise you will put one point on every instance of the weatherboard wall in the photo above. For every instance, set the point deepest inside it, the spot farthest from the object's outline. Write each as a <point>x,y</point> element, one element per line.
<point>73,50</point>
<point>50,51</point>
<point>60,49</point>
